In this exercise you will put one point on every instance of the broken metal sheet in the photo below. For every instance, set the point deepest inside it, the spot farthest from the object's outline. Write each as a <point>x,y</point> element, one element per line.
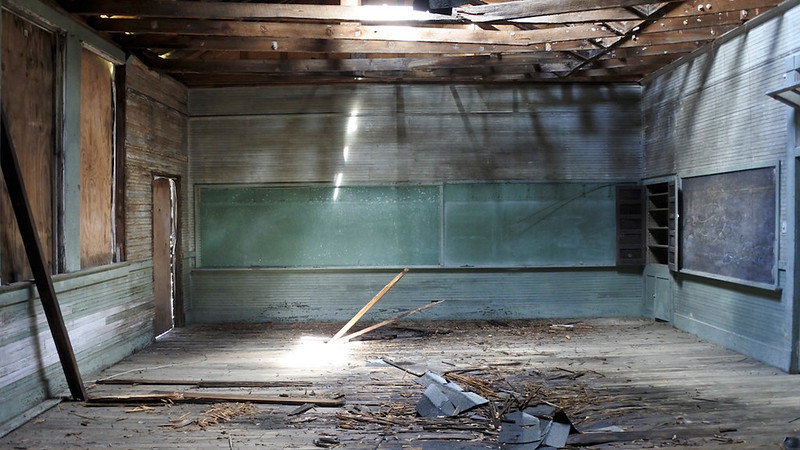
<point>557,435</point>
<point>553,427</point>
<point>520,428</point>
<point>552,412</point>
<point>430,377</point>
<point>435,403</point>
<point>443,398</point>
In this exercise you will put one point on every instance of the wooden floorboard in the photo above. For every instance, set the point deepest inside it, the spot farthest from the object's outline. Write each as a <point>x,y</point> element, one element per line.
<point>658,386</point>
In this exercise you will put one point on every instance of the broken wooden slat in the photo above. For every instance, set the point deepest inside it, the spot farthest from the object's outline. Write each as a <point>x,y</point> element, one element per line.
<point>301,409</point>
<point>41,276</point>
<point>196,397</point>
<point>390,321</point>
<point>369,305</point>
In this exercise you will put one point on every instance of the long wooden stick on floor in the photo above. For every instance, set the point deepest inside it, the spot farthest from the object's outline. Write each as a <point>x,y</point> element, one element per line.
<point>369,305</point>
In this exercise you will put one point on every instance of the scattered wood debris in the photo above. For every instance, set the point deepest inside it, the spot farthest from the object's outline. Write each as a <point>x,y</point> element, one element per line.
<point>224,412</point>
<point>327,441</point>
<point>301,409</point>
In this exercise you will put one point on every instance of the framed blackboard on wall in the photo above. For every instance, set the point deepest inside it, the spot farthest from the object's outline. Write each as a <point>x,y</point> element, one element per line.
<point>310,226</point>
<point>729,226</point>
<point>558,224</point>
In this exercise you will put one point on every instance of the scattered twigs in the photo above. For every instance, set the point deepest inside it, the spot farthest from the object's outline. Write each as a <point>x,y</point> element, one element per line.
<point>360,417</point>
<point>480,387</point>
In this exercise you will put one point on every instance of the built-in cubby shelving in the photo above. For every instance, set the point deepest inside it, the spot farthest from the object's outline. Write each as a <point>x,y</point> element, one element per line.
<point>630,225</point>
<point>661,224</point>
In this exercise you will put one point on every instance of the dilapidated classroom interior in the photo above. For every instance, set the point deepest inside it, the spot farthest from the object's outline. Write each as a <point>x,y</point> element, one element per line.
<point>579,218</point>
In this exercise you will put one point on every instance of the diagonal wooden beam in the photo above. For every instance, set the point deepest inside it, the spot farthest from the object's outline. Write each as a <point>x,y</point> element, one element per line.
<point>33,248</point>
<point>627,37</point>
<point>529,8</point>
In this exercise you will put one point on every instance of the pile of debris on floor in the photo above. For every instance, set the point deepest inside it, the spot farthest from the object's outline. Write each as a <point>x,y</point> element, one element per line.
<point>459,407</point>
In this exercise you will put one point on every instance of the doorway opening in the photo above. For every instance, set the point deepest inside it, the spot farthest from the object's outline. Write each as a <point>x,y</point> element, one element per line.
<point>165,253</point>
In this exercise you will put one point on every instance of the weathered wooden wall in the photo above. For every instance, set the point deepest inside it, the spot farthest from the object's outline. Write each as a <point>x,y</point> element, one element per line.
<point>385,135</point>
<point>29,77</point>
<point>108,310</point>
<point>415,133</point>
<point>264,295</point>
<point>97,160</point>
<point>710,114</point>
<point>155,145</point>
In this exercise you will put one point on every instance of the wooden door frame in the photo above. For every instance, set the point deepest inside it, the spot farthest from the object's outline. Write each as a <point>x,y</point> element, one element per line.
<point>179,316</point>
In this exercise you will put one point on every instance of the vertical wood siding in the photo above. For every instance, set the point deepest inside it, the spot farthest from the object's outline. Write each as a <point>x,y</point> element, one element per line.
<point>710,114</point>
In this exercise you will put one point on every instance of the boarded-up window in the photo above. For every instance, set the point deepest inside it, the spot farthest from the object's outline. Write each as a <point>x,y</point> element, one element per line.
<point>97,158</point>
<point>28,87</point>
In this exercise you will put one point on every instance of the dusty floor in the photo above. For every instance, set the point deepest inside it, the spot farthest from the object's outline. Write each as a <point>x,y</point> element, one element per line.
<point>651,385</point>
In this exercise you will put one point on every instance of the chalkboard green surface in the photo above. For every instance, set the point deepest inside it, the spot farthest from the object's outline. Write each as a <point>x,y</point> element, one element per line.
<point>529,224</point>
<point>318,226</point>
<point>482,225</point>
<point>728,226</point>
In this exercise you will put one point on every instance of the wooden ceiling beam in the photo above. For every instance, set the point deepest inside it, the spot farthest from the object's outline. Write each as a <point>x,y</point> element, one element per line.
<point>600,15</point>
<point>697,7</point>
<point>181,9</point>
<point>221,80</point>
<point>357,65</point>
<point>304,45</point>
<point>530,8</point>
<point>354,32</point>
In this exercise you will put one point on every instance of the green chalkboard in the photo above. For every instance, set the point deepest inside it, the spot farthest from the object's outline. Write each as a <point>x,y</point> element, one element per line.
<point>246,226</point>
<point>481,225</point>
<point>529,224</point>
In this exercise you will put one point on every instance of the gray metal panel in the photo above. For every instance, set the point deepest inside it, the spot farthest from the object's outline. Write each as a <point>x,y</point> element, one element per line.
<point>335,295</point>
<point>415,133</point>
